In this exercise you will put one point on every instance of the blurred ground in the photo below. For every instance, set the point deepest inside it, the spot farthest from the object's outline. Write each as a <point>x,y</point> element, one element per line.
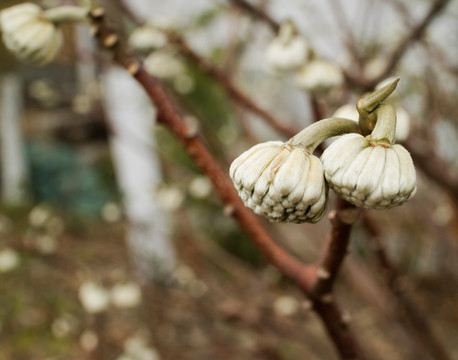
<point>215,307</point>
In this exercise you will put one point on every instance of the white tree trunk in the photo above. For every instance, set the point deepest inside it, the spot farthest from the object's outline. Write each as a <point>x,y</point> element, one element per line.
<point>131,116</point>
<point>13,160</point>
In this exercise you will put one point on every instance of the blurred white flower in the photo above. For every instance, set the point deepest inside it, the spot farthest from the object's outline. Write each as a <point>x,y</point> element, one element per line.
<point>347,111</point>
<point>169,198</point>
<point>288,51</point>
<point>135,348</point>
<point>286,306</point>
<point>111,212</point>
<point>9,260</point>
<point>28,34</point>
<point>89,340</point>
<point>93,297</point>
<point>39,215</point>
<point>164,64</point>
<point>46,244</point>
<point>319,76</point>
<point>200,187</point>
<point>183,84</point>
<point>147,38</point>
<point>183,274</point>
<point>126,295</point>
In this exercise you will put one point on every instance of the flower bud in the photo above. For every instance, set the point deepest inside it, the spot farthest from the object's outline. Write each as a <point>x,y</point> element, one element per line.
<point>288,51</point>
<point>29,35</point>
<point>281,182</point>
<point>319,76</point>
<point>370,174</point>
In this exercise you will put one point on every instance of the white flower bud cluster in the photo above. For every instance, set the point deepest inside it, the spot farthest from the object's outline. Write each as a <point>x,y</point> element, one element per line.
<point>370,174</point>
<point>29,35</point>
<point>281,182</point>
<point>289,51</point>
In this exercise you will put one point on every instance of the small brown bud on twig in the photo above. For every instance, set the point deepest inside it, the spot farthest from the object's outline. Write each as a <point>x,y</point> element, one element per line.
<point>110,41</point>
<point>323,274</point>
<point>229,210</point>
<point>133,68</point>
<point>97,13</point>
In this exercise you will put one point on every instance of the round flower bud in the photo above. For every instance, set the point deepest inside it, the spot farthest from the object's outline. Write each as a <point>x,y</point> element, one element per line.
<point>288,51</point>
<point>370,174</point>
<point>29,35</point>
<point>319,76</point>
<point>281,182</point>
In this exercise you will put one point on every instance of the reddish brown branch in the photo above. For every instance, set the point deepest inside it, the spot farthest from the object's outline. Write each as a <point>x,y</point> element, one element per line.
<point>420,329</point>
<point>168,114</point>
<point>257,14</point>
<point>342,219</point>
<point>234,92</point>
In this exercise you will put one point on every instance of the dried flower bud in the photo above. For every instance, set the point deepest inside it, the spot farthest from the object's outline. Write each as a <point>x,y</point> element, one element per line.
<point>370,174</point>
<point>288,51</point>
<point>29,35</point>
<point>319,76</point>
<point>281,182</point>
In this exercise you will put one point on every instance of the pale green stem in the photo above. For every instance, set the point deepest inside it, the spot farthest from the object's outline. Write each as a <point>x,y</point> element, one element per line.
<point>385,128</point>
<point>62,14</point>
<point>367,105</point>
<point>315,134</point>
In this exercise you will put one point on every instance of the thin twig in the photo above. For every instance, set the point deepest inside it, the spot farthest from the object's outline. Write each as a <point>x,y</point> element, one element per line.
<point>415,34</point>
<point>234,92</point>
<point>257,14</point>
<point>419,327</point>
<point>305,276</point>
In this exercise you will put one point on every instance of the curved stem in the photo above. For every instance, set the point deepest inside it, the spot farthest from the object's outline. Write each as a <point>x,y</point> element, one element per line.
<point>385,128</point>
<point>313,135</point>
<point>62,14</point>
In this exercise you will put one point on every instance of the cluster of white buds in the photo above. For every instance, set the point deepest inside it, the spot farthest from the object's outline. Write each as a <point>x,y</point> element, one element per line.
<point>32,34</point>
<point>286,182</point>
<point>371,171</point>
<point>288,51</point>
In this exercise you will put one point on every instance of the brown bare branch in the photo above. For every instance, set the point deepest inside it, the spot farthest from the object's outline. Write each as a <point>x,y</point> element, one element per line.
<point>234,92</point>
<point>169,116</point>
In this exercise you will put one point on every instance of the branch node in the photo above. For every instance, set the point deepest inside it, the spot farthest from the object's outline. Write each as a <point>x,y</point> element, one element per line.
<point>349,216</point>
<point>110,41</point>
<point>133,68</point>
<point>323,273</point>
<point>229,210</point>
<point>97,13</point>
<point>326,298</point>
<point>346,317</point>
